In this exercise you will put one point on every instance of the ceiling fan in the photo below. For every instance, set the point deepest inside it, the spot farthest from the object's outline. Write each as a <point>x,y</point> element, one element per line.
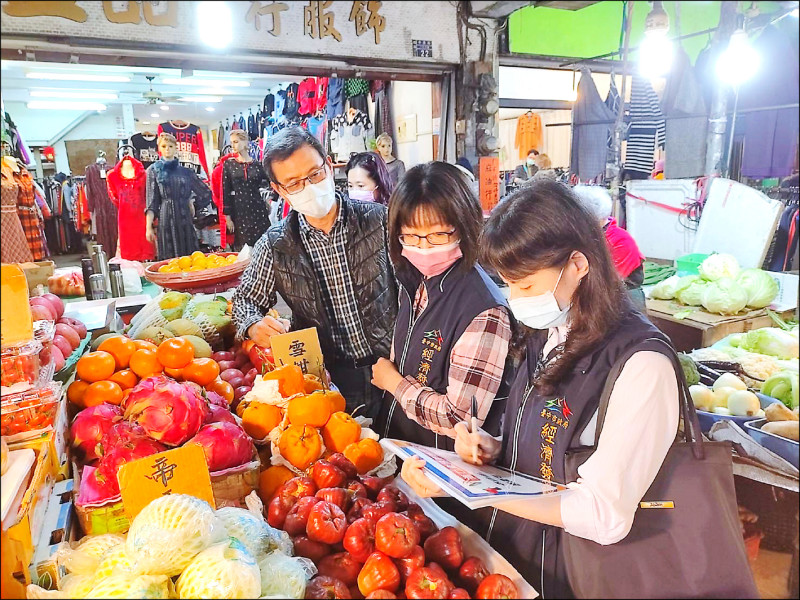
<point>154,97</point>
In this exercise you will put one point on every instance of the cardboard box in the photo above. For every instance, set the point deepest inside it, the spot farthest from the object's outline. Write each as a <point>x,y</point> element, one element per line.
<point>37,272</point>
<point>58,528</point>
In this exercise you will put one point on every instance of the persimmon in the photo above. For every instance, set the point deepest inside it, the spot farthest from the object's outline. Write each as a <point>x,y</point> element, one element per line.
<point>259,418</point>
<point>365,455</point>
<point>290,380</point>
<point>340,431</point>
<point>301,445</point>
<point>175,352</point>
<point>221,387</point>
<point>76,391</point>
<point>144,363</point>
<point>311,383</point>
<point>102,391</point>
<point>271,479</point>
<point>309,409</point>
<point>125,378</point>
<point>176,374</point>
<point>144,345</point>
<point>96,366</point>
<point>121,348</point>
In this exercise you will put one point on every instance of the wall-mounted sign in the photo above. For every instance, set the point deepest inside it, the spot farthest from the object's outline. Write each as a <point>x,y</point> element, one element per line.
<point>489,180</point>
<point>422,48</point>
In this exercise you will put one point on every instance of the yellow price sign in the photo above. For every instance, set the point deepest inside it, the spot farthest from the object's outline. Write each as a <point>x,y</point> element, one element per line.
<point>180,471</point>
<point>300,348</point>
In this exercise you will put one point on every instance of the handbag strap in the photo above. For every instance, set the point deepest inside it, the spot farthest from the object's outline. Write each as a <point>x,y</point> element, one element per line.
<point>691,426</point>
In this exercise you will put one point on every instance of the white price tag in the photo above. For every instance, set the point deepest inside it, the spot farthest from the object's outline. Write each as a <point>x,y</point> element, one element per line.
<point>102,173</point>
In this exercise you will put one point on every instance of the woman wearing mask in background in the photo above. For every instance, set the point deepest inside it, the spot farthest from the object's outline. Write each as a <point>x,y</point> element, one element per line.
<point>367,178</point>
<point>552,253</point>
<point>396,167</point>
<point>453,327</point>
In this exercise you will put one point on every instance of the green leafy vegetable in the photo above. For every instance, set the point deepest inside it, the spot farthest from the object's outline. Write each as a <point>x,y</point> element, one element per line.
<point>771,341</point>
<point>717,266</point>
<point>665,290</point>
<point>724,296</point>
<point>784,386</point>
<point>692,295</point>
<point>689,369</point>
<point>760,286</point>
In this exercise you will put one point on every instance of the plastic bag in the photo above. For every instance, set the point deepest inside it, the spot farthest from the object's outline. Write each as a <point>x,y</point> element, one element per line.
<point>253,531</point>
<point>131,281</point>
<point>285,576</point>
<point>85,556</point>
<point>225,570</point>
<point>125,586</point>
<point>169,532</point>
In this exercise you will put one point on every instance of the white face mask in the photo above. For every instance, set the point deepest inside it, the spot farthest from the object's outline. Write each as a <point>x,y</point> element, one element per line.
<point>315,200</point>
<point>540,312</point>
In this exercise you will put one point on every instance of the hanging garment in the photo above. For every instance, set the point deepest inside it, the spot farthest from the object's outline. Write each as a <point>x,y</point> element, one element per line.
<point>383,115</point>
<point>14,246</point>
<point>686,121</point>
<point>29,214</point>
<point>307,96</point>
<point>770,146</point>
<point>171,188</point>
<point>242,123</point>
<point>104,213</point>
<point>786,240</point>
<point>221,138</point>
<point>614,103</point>
<point>83,218</point>
<point>321,95</point>
<point>335,106</point>
<point>130,198</point>
<point>529,134</point>
<point>292,102</point>
<point>646,131</point>
<point>241,197</point>
<point>318,127</point>
<point>269,105</point>
<point>146,147</point>
<point>280,103</point>
<point>191,149</point>
<point>348,137</point>
<point>252,130</point>
<point>216,197</point>
<point>355,87</point>
<point>591,121</point>
<point>359,103</point>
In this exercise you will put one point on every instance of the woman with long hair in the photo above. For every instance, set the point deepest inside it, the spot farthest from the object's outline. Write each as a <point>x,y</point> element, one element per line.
<point>367,178</point>
<point>552,254</point>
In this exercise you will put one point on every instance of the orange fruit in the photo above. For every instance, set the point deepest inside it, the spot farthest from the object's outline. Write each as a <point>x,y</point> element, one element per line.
<point>175,352</point>
<point>202,371</point>
<point>103,391</point>
<point>340,431</point>
<point>301,445</point>
<point>309,409</point>
<point>120,348</point>
<point>144,363</point>
<point>271,479</point>
<point>76,391</point>
<point>365,455</point>
<point>176,374</point>
<point>96,366</point>
<point>125,394</point>
<point>221,387</point>
<point>125,378</point>
<point>258,419</point>
<point>144,345</point>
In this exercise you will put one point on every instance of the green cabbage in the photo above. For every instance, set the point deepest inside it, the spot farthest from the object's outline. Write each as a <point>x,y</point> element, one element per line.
<point>784,386</point>
<point>665,290</point>
<point>724,297</point>
<point>760,286</point>
<point>772,342</point>
<point>692,295</point>
<point>717,266</point>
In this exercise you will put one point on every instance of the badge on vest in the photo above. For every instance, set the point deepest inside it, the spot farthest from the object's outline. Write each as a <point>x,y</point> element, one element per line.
<point>432,340</point>
<point>657,504</point>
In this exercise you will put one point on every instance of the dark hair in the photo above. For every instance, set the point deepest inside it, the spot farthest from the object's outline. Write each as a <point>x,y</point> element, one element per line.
<point>539,227</point>
<point>533,151</point>
<point>441,188</point>
<point>464,162</point>
<point>285,143</point>
<point>373,164</point>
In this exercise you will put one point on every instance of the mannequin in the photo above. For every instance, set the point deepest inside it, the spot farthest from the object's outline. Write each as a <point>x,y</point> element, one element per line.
<point>103,211</point>
<point>14,247</point>
<point>396,167</point>
<point>247,215</point>
<point>174,192</point>
<point>127,183</point>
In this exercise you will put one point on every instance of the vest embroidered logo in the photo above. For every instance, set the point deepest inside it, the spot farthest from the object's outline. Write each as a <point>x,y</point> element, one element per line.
<point>559,405</point>
<point>435,336</point>
<point>433,340</point>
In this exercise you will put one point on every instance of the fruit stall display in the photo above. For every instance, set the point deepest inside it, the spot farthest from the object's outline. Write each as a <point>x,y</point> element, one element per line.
<point>198,270</point>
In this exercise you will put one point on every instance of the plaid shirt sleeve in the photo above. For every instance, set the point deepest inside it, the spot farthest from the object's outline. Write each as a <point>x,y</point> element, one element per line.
<point>256,294</point>
<point>477,362</point>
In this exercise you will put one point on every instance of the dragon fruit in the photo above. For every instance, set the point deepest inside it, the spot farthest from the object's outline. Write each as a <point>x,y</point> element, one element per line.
<point>96,487</point>
<point>217,414</point>
<point>122,453</point>
<point>225,445</point>
<point>120,434</point>
<point>216,399</point>
<point>89,427</point>
<point>169,412</point>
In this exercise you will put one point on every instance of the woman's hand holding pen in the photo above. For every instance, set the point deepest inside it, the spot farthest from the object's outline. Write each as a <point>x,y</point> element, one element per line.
<point>478,447</point>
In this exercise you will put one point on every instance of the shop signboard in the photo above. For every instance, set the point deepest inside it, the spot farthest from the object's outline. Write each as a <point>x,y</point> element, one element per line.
<point>179,471</point>
<point>300,348</point>
<point>489,179</point>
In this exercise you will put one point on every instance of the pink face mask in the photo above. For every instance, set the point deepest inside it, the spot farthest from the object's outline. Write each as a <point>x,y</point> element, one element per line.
<point>433,261</point>
<point>362,195</point>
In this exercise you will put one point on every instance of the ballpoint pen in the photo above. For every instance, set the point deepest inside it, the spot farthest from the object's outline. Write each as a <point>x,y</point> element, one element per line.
<point>474,425</point>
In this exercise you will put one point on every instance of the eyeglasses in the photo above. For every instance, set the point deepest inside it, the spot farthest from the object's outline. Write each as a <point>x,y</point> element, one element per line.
<point>438,238</point>
<point>298,186</point>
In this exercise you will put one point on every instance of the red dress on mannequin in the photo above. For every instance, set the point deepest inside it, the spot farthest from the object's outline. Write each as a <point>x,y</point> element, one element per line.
<point>129,196</point>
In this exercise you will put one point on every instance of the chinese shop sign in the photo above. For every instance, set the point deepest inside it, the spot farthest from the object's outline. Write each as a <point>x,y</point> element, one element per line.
<point>300,348</point>
<point>489,178</point>
<point>319,21</point>
<point>180,471</point>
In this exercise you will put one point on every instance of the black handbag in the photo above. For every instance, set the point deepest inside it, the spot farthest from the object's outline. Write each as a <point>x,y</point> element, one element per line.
<point>206,216</point>
<point>686,539</point>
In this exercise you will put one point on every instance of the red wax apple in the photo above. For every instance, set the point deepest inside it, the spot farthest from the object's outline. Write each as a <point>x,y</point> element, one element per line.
<point>497,586</point>
<point>297,518</point>
<point>376,510</point>
<point>315,551</point>
<point>359,539</point>
<point>444,547</point>
<point>338,459</point>
<point>378,573</point>
<point>278,510</point>
<point>324,587</point>
<point>471,573</point>
<point>396,535</point>
<point>390,492</point>
<point>426,582</point>
<point>336,495</point>
<point>326,523</point>
<point>341,565</point>
<point>414,560</point>
<point>326,475</point>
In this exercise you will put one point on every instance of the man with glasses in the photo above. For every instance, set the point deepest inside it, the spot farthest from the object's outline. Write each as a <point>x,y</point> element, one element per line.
<point>329,261</point>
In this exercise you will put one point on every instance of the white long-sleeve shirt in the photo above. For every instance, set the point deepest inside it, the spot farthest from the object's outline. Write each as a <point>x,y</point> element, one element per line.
<point>639,428</point>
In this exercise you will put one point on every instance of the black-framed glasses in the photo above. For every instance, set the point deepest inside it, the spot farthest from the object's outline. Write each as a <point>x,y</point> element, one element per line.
<point>298,186</point>
<point>438,238</point>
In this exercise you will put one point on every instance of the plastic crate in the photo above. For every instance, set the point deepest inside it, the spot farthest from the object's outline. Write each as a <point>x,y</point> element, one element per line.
<point>688,263</point>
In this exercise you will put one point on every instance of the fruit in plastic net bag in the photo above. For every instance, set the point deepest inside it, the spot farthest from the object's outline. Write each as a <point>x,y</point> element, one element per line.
<point>169,532</point>
<point>225,570</point>
<point>285,576</point>
<point>85,556</point>
<point>70,586</point>
<point>253,531</point>
<point>123,585</point>
<point>114,561</point>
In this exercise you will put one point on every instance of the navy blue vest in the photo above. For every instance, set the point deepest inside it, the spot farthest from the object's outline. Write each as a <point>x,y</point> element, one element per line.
<point>537,433</point>
<point>422,346</point>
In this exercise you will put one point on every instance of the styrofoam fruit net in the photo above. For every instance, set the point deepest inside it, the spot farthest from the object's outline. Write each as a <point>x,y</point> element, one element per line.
<point>210,333</point>
<point>285,576</point>
<point>84,557</point>
<point>225,570</point>
<point>123,585</point>
<point>253,531</point>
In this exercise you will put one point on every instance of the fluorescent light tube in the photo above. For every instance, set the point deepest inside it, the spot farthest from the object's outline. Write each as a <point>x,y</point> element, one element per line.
<point>78,77</point>
<point>208,82</point>
<point>73,95</point>
<point>208,99</point>
<point>58,105</point>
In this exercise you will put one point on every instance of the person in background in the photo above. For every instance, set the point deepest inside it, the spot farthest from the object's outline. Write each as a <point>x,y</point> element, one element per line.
<point>329,261</point>
<point>628,260</point>
<point>551,252</point>
<point>527,169</point>
<point>396,167</point>
<point>466,168</point>
<point>546,170</point>
<point>453,327</point>
<point>367,178</point>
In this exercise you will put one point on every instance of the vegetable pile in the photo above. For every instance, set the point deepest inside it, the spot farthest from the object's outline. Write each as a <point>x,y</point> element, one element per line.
<point>721,287</point>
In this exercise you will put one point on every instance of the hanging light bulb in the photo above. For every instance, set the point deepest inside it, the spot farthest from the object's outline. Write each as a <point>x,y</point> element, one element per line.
<point>655,51</point>
<point>740,61</point>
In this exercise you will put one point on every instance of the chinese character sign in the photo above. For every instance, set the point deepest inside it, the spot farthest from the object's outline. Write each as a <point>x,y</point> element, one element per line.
<point>300,348</point>
<point>318,20</point>
<point>489,178</point>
